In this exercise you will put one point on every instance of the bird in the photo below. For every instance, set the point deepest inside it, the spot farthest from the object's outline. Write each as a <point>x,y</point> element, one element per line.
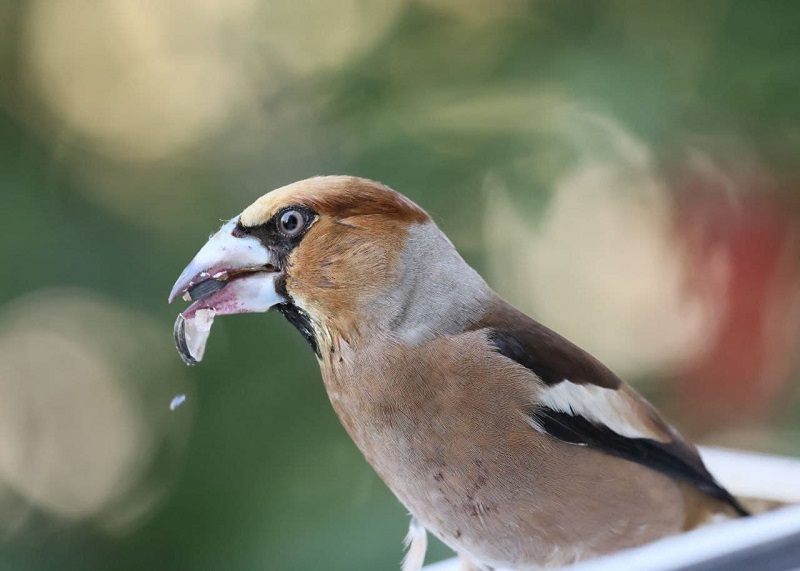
<point>509,443</point>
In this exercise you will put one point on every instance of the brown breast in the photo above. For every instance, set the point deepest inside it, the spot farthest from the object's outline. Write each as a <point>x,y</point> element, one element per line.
<point>443,425</point>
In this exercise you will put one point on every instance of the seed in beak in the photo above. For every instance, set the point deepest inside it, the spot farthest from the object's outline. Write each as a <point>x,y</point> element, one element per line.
<point>205,289</point>
<point>192,333</point>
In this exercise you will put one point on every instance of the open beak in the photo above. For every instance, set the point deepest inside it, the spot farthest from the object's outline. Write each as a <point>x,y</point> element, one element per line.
<point>231,274</point>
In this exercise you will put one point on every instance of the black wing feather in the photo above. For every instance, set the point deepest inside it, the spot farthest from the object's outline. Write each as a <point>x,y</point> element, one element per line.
<point>671,458</point>
<point>555,360</point>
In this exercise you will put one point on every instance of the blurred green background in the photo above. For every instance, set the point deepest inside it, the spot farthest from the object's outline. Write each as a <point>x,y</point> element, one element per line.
<point>627,172</point>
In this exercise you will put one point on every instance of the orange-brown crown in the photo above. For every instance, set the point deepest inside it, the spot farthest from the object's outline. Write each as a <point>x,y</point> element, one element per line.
<point>338,197</point>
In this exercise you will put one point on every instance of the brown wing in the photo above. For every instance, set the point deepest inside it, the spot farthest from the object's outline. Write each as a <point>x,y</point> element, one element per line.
<point>582,402</point>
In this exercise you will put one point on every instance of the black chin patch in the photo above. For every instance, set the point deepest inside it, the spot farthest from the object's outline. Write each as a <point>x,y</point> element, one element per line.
<point>302,323</point>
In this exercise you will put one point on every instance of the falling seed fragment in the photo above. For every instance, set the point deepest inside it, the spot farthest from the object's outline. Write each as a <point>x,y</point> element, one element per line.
<point>177,401</point>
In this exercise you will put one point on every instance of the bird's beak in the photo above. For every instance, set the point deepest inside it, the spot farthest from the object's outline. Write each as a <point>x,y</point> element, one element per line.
<point>232,273</point>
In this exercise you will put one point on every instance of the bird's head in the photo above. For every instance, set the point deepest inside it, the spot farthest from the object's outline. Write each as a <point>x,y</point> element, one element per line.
<point>336,255</point>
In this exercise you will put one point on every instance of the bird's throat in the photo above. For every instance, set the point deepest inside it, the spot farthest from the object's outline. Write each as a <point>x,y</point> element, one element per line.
<point>302,322</point>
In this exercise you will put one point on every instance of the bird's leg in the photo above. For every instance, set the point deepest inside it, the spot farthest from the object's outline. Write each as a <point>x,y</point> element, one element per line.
<point>416,543</point>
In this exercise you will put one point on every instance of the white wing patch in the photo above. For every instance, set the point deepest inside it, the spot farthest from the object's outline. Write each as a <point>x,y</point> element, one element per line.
<point>416,543</point>
<point>603,407</point>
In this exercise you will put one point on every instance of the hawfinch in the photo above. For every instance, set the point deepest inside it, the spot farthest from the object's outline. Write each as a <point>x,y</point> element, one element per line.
<point>515,447</point>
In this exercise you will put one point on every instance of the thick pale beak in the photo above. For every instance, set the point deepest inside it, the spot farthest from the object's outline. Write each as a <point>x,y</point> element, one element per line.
<point>232,273</point>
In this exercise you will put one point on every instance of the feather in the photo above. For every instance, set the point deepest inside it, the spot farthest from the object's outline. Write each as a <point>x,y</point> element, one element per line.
<point>676,458</point>
<point>580,401</point>
<point>604,407</point>
<point>416,544</point>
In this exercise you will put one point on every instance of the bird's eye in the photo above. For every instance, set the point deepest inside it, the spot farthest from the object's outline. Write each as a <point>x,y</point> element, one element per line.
<point>291,222</point>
